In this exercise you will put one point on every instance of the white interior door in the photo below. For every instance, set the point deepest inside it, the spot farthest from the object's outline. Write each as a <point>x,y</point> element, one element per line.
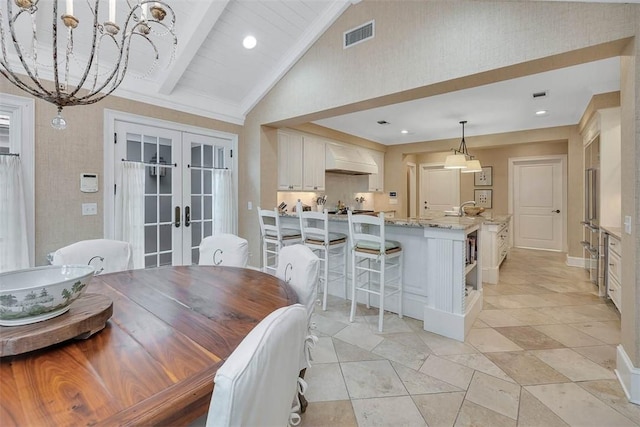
<point>539,202</point>
<point>439,188</point>
<point>178,187</point>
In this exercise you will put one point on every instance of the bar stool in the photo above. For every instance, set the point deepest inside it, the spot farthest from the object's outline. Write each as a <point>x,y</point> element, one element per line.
<point>329,247</point>
<point>371,253</point>
<point>274,237</point>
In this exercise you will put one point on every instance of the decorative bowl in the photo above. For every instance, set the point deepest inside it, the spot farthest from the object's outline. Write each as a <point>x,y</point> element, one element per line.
<point>473,210</point>
<point>36,294</point>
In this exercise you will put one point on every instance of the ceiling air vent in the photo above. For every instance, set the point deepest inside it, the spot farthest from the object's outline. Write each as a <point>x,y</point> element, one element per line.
<point>359,34</point>
<point>540,94</point>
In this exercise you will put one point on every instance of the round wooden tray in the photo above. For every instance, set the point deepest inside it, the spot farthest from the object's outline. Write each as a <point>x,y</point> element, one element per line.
<point>86,316</point>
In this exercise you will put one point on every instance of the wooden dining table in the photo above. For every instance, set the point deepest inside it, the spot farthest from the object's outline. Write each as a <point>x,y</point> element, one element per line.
<point>154,362</point>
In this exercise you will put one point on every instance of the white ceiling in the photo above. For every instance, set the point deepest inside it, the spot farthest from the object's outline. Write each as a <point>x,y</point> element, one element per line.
<point>494,108</point>
<point>214,76</point>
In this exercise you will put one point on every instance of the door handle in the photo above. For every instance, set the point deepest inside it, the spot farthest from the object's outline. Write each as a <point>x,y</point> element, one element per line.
<point>187,216</point>
<point>177,216</point>
<point>556,211</point>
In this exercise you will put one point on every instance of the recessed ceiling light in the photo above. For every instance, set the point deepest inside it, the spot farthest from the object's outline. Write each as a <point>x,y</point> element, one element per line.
<point>542,113</point>
<point>404,131</point>
<point>249,42</point>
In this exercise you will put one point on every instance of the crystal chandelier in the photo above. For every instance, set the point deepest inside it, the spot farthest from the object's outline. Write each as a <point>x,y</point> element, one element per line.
<point>461,159</point>
<point>89,53</point>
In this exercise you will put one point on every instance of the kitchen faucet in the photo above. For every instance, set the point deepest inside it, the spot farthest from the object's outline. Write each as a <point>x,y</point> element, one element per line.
<point>470,202</point>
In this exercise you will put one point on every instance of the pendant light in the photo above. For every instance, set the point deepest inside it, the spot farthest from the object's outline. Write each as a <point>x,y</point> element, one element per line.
<point>461,159</point>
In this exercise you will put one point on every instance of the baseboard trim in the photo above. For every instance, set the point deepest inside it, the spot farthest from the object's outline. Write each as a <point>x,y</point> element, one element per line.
<point>573,261</point>
<point>628,375</point>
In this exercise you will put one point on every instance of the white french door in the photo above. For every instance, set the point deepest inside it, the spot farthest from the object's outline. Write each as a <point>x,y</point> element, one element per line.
<point>178,187</point>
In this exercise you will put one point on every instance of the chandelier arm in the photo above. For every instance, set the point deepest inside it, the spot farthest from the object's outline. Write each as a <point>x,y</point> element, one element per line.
<point>54,47</point>
<point>16,45</point>
<point>91,55</point>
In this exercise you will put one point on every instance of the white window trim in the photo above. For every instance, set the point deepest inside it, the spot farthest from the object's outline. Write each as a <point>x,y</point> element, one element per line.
<point>22,141</point>
<point>110,118</point>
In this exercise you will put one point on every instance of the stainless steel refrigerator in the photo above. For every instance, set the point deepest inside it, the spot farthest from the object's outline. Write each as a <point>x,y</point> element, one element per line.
<point>593,242</point>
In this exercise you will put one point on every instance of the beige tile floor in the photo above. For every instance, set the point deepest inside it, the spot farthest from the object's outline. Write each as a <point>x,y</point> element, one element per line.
<point>541,353</point>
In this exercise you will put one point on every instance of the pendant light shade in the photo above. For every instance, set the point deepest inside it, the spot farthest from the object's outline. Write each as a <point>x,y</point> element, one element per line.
<point>455,161</point>
<point>461,159</point>
<point>472,166</point>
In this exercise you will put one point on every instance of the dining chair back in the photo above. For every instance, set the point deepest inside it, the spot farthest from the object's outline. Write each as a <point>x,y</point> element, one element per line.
<point>299,267</point>
<point>105,255</point>
<point>331,248</point>
<point>226,250</point>
<point>259,381</point>
<point>371,255</point>
<point>274,237</point>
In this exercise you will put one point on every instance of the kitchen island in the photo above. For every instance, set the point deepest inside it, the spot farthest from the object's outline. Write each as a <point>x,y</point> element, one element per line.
<point>442,269</point>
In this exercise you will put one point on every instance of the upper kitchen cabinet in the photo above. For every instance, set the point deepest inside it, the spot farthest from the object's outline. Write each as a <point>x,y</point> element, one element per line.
<point>376,180</point>
<point>290,149</point>
<point>313,164</point>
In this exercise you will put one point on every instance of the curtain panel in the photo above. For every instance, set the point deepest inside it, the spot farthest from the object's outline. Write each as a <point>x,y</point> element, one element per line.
<point>224,209</point>
<point>129,221</point>
<point>14,249</point>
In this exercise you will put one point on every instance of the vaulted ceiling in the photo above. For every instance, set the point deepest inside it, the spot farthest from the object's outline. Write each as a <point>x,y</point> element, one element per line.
<point>213,75</point>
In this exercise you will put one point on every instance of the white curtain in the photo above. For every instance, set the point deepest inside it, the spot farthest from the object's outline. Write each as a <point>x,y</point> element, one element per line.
<point>224,209</point>
<point>130,210</point>
<point>14,250</point>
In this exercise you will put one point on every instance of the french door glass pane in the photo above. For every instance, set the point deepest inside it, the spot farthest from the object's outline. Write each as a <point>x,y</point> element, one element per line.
<point>158,215</point>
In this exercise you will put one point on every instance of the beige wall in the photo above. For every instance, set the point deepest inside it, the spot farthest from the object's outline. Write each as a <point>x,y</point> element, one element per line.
<point>630,133</point>
<point>495,150</point>
<point>430,47</point>
<point>61,156</point>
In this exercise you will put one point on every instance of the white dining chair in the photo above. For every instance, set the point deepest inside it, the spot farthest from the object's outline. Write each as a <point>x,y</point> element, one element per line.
<point>372,255</point>
<point>224,249</point>
<point>274,237</point>
<point>299,267</point>
<point>105,255</point>
<point>331,248</point>
<point>259,381</point>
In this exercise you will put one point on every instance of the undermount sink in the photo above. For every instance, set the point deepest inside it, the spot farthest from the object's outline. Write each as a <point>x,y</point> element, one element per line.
<point>451,213</point>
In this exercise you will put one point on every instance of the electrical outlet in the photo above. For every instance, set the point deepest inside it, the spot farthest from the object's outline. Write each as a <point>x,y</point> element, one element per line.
<point>249,205</point>
<point>89,209</point>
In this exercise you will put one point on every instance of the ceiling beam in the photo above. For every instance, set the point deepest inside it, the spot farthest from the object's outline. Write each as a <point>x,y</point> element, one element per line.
<point>204,16</point>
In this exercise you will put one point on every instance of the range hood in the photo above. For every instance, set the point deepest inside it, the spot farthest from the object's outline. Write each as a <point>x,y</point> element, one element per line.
<point>349,160</point>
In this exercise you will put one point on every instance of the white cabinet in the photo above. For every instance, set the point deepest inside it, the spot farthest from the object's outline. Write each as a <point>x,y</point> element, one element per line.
<point>376,180</point>
<point>289,161</point>
<point>614,270</point>
<point>313,164</point>
<point>454,280</point>
<point>495,248</point>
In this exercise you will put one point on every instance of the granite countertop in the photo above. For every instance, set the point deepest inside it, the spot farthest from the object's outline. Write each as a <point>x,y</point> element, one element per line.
<point>614,231</point>
<point>435,219</point>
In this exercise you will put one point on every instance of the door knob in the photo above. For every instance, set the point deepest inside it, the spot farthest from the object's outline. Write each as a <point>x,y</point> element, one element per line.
<point>556,211</point>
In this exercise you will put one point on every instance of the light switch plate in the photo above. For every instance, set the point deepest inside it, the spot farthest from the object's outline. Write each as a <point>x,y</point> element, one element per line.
<point>89,209</point>
<point>627,224</point>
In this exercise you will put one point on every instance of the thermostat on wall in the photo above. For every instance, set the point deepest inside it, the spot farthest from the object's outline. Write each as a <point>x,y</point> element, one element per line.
<point>89,183</point>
